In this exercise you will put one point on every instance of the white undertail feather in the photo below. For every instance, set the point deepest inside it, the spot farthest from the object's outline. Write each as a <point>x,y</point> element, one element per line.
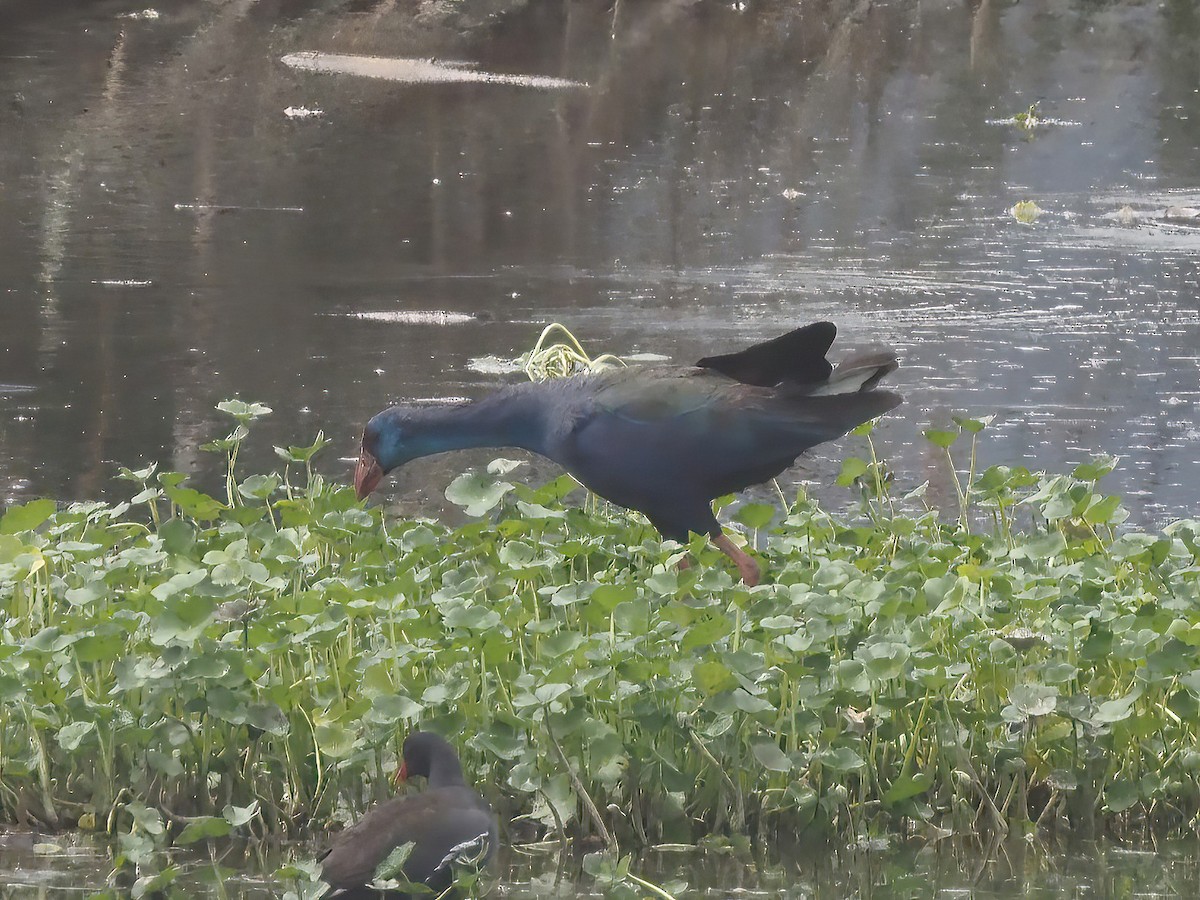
<point>858,373</point>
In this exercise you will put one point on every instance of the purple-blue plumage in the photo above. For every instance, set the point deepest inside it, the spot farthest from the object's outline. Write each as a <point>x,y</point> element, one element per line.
<point>664,440</point>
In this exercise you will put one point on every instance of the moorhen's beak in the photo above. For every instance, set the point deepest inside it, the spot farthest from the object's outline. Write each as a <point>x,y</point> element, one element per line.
<point>367,474</point>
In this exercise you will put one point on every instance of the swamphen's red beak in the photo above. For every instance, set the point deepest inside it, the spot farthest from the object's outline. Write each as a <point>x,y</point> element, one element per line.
<point>367,474</point>
<point>401,775</point>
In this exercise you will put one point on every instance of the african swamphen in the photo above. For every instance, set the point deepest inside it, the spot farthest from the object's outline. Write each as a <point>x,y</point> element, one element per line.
<point>448,813</point>
<point>665,440</point>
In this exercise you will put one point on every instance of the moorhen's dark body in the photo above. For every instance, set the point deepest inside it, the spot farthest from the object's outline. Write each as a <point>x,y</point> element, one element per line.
<point>665,440</point>
<point>447,813</point>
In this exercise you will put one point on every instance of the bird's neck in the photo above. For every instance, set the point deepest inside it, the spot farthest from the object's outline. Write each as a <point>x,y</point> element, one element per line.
<point>444,771</point>
<point>513,417</point>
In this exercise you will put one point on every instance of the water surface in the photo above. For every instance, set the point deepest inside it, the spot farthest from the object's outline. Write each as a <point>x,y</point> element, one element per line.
<point>188,218</point>
<point>49,867</point>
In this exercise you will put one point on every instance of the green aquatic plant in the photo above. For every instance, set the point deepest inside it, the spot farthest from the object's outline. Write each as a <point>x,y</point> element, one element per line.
<point>561,358</point>
<point>1026,212</point>
<point>1028,120</point>
<point>176,668</point>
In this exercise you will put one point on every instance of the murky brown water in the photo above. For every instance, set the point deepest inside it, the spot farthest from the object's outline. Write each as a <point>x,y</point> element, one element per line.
<point>40,866</point>
<point>186,218</point>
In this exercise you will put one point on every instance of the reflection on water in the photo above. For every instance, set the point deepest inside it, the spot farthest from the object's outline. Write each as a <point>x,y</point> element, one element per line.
<point>173,236</point>
<point>42,866</point>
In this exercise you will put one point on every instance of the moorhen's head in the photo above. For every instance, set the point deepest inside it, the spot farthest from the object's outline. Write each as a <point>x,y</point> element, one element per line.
<point>431,757</point>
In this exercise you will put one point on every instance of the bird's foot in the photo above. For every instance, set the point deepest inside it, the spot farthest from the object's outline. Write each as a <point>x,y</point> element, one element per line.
<point>747,567</point>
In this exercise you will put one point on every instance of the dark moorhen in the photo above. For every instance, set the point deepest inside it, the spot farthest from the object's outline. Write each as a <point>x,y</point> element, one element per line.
<point>446,814</point>
<point>665,440</point>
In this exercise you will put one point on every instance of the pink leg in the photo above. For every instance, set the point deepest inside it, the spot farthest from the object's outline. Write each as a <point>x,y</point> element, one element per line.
<point>746,565</point>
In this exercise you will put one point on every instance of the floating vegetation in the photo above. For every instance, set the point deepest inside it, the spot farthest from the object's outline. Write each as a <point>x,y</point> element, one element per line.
<point>562,358</point>
<point>415,71</point>
<point>178,667</point>
<point>302,112</point>
<point>224,208</point>
<point>416,316</point>
<point>555,359</point>
<point>1127,215</point>
<point>645,357</point>
<point>494,365</point>
<point>1032,119</point>
<point>1028,120</point>
<point>1026,212</point>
